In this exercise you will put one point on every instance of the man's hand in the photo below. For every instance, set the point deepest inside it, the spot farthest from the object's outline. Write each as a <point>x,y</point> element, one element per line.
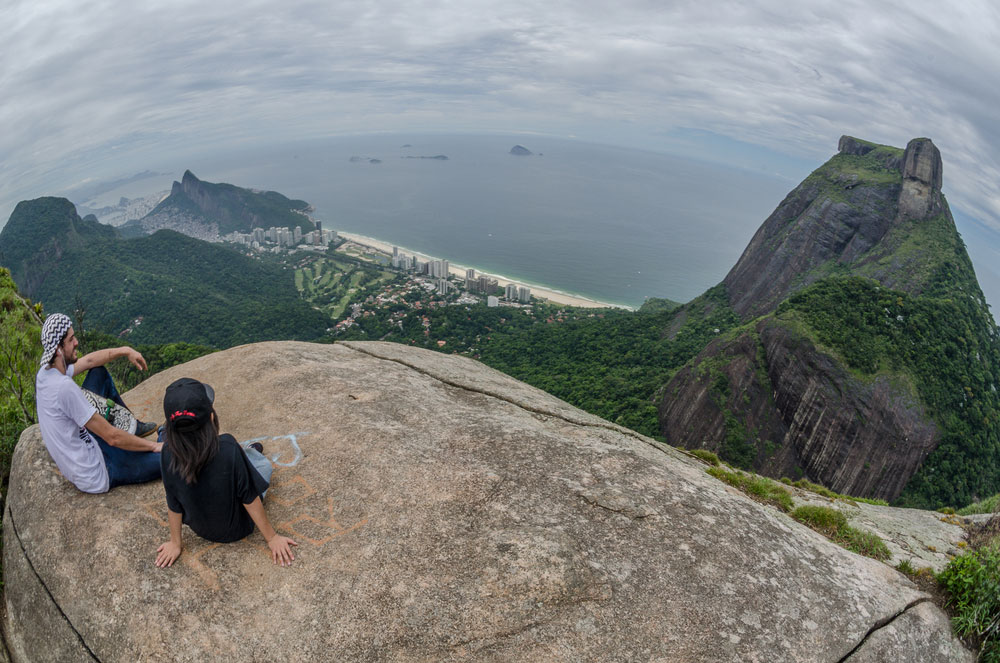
<point>281,549</point>
<point>167,554</point>
<point>137,359</point>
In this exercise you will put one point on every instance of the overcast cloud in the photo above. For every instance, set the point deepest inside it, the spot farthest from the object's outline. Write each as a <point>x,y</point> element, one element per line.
<point>83,85</point>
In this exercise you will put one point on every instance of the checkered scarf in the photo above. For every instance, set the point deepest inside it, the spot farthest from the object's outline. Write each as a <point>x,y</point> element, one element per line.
<point>53,331</point>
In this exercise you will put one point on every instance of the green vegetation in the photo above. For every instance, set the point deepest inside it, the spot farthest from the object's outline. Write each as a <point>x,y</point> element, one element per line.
<point>989,505</point>
<point>706,456</point>
<point>162,288</point>
<point>829,522</point>
<point>972,582</point>
<point>20,352</point>
<point>609,362</point>
<point>805,484</point>
<point>832,524</point>
<point>331,281</point>
<point>658,305</point>
<point>760,489</point>
<point>158,357</point>
<point>944,347</point>
<point>38,231</point>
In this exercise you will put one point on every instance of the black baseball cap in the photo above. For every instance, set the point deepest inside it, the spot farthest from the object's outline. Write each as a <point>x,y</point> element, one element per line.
<point>187,404</point>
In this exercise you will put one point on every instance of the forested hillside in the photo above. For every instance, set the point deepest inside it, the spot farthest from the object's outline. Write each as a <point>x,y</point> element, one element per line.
<point>163,288</point>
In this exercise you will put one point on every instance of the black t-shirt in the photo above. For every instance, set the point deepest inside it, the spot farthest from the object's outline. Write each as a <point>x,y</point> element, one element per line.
<point>212,506</point>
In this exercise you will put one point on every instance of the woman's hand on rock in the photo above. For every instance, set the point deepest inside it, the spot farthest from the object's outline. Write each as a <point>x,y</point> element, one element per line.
<point>167,554</point>
<point>281,549</point>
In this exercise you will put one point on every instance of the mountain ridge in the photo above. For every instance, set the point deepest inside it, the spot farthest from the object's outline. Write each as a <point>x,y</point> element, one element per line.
<point>864,253</point>
<point>208,210</point>
<point>158,288</point>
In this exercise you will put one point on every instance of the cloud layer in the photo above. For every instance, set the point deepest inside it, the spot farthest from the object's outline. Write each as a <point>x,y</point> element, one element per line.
<point>84,86</point>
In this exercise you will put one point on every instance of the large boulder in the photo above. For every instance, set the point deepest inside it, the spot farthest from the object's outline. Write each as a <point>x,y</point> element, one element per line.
<point>444,512</point>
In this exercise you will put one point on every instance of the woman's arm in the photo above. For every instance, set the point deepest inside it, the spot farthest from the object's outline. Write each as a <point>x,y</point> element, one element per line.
<point>281,546</point>
<point>168,552</point>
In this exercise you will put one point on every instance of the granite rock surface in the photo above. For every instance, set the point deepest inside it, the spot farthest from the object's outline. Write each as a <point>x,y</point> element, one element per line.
<point>444,512</point>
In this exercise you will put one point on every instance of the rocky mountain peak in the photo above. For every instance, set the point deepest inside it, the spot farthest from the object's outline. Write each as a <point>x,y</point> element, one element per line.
<point>852,145</point>
<point>922,162</point>
<point>922,177</point>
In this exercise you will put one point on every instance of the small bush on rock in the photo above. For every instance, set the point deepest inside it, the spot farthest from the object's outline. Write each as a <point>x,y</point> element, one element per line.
<point>972,581</point>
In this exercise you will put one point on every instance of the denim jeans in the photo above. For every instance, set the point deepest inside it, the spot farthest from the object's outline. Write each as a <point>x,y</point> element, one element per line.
<point>261,463</point>
<point>124,466</point>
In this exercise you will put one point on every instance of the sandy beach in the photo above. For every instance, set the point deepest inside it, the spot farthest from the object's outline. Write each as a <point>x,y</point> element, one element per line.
<point>459,270</point>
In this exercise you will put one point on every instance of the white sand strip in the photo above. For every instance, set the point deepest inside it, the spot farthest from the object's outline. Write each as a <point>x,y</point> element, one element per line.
<point>459,270</point>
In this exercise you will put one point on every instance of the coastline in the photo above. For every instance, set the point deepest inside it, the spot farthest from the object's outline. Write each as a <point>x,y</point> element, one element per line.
<point>541,292</point>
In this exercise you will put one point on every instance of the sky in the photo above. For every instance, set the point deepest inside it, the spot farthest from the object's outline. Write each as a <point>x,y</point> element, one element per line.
<point>101,89</point>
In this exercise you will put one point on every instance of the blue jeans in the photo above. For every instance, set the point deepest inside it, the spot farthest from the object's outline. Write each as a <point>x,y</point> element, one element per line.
<point>124,466</point>
<point>261,463</point>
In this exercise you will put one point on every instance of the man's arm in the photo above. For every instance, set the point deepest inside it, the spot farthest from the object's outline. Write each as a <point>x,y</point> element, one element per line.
<point>168,552</point>
<point>281,546</point>
<point>116,437</point>
<point>102,357</point>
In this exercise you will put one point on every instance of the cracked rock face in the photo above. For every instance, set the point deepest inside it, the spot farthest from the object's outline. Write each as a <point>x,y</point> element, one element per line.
<point>444,511</point>
<point>810,415</point>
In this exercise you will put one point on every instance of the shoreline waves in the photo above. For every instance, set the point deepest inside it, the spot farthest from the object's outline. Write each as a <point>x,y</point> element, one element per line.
<point>541,292</point>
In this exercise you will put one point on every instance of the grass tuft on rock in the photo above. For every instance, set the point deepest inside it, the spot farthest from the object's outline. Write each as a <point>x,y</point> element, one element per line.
<point>758,488</point>
<point>832,524</point>
<point>805,484</point>
<point>707,456</point>
<point>989,505</point>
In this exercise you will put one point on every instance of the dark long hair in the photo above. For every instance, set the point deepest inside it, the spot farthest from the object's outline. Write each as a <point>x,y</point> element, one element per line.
<point>190,450</point>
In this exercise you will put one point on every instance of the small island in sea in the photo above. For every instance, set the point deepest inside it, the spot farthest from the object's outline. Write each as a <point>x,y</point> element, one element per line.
<point>521,151</point>
<point>439,157</point>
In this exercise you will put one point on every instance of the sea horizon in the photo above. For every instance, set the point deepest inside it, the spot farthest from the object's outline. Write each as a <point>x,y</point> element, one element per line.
<point>609,224</point>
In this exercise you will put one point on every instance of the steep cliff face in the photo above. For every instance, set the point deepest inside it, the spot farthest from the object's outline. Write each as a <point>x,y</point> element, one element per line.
<point>206,210</point>
<point>868,360</point>
<point>771,398</point>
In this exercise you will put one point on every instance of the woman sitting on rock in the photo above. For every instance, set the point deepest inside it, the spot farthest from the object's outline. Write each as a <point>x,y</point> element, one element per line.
<point>212,483</point>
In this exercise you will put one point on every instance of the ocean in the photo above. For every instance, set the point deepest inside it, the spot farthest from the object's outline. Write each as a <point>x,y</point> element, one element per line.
<point>612,224</point>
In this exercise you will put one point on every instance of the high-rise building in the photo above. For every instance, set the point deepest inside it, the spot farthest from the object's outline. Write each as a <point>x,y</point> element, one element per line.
<point>486,285</point>
<point>470,274</point>
<point>511,291</point>
<point>319,232</point>
<point>443,286</point>
<point>492,301</point>
<point>297,234</point>
<point>395,251</point>
<point>524,295</point>
<point>438,269</point>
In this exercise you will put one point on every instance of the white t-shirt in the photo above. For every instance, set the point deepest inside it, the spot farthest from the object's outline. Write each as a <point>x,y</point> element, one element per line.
<point>62,412</point>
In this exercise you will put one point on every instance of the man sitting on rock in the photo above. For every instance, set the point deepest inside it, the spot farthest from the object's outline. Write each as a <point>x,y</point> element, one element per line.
<point>95,454</point>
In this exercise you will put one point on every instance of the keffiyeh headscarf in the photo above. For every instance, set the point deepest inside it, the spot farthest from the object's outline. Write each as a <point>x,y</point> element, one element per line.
<point>53,331</point>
